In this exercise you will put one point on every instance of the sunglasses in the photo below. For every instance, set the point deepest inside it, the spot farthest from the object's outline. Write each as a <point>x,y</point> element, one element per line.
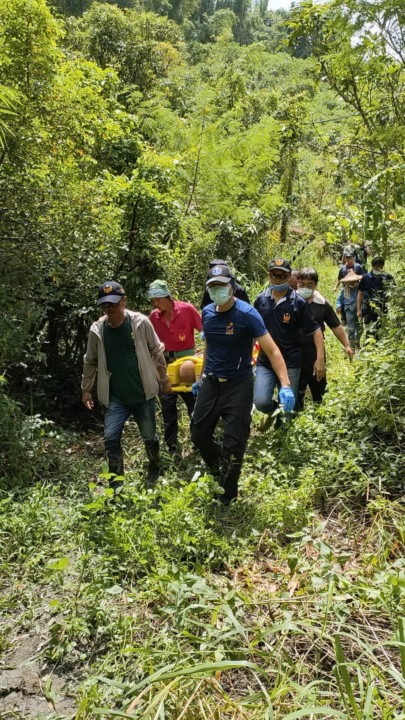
<point>109,306</point>
<point>278,276</point>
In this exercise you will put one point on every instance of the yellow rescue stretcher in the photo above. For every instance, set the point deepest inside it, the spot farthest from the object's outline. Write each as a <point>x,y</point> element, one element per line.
<point>173,369</point>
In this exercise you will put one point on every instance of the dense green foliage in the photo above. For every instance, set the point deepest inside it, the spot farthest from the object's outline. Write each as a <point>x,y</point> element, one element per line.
<point>134,151</point>
<point>138,140</point>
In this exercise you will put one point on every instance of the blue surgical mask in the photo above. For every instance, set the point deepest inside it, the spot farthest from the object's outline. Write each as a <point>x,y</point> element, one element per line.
<point>305,293</point>
<point>219,295</point>
<point>279,288</point>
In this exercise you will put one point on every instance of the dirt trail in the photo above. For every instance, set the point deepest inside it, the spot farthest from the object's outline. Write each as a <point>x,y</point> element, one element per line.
<point>28,690</point>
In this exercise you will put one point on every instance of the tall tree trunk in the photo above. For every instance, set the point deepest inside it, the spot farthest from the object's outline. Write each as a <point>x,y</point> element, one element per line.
<point>288,183</point>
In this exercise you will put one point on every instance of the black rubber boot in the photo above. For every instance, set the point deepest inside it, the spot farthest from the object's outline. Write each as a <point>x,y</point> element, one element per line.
<point>115,484</point>
<point>175,454</point>
<point>231,471</point>
<point>116,466</point>
<point>152,453</point>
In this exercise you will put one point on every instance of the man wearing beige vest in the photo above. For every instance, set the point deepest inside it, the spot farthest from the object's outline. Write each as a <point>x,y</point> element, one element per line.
<point>125,352</point>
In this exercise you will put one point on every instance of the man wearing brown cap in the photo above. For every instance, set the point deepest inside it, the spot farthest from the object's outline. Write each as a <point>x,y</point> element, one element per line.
<point>125,352</point>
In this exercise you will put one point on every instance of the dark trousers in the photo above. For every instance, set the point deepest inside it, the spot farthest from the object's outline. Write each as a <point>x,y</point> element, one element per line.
<point>308,379</point>
<point>232,401</point>
<point>170,418</point>
<point>372,322</point>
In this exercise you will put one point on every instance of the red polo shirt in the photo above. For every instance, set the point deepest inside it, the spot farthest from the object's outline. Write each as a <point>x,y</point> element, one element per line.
<point>180,335</point>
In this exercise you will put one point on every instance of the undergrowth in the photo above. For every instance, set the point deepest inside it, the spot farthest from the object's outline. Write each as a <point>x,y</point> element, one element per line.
<point>160,604</point>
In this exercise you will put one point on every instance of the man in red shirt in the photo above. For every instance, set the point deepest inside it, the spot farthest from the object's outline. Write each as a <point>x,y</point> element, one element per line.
<point>174,322</point>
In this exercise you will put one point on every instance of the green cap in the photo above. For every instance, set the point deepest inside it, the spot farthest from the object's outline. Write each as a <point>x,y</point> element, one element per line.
<point>158,289</point>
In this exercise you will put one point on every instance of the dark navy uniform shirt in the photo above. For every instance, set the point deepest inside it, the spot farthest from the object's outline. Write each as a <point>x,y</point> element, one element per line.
<point>284,320</point>
<point>344,270</point>
<point>375,289</point>
<point>229,336</point>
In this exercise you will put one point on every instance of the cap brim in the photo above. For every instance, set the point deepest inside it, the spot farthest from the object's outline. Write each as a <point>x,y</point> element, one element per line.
<point>276,267</point>
<point>110,299</point>
<point>216,262</point>
<point>218,279</point>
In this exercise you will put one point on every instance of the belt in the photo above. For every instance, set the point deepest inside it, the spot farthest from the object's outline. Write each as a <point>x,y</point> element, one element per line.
<point>216,379</point>
<point>175,354</point>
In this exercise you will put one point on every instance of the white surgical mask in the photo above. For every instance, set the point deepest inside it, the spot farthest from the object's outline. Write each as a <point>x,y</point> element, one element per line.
<point>305,293</point>
<point>377,272</point>
<point>219,295</point>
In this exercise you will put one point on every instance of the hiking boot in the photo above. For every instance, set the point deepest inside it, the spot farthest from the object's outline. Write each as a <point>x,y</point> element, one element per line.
<point>175,454</point>
<point>152,475</point>
<point>116,485</point>
<point>224,500</point>
<point>266,422</point>
<point>152,453</point>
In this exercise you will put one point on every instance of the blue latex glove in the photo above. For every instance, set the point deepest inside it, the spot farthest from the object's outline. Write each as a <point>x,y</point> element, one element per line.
<point>286,399</point>
<point>195,388</point>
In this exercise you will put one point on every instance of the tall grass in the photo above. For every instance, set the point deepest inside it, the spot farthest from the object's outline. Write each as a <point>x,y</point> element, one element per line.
<point>288,605</point>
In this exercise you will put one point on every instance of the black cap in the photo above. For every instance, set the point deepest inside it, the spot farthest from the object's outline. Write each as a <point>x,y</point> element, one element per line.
<point>111,292</point>
<point>280,264</point>
<point>218,262</point>
<point>219,273</point>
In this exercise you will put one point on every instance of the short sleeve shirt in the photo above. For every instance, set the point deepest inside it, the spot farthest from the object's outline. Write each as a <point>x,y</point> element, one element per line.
<point>179,335</point>
<point>285,320</point>
<point>229,336</point>
<point>344,270</point>
<point>372,284</point>
<point>324,314</point>
<point>375,288</point>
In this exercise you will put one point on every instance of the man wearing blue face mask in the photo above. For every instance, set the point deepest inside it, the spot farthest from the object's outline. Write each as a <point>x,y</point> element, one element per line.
<point>285,316</point>
<point>226,387</point>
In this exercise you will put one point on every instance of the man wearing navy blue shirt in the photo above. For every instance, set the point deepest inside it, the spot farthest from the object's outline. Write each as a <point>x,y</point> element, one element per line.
<point>226,389</point>
<point>349,266</point>
<point>285,315</point>
<point>373,294</point>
